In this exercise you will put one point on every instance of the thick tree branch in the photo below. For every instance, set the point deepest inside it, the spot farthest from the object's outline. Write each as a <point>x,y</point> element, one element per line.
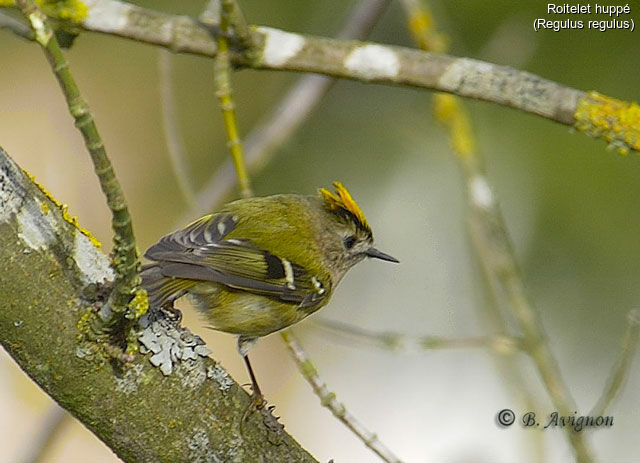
<point>50,273</point>
<point>370,62</point>
<point>617,122</point>
<point>125,256</point>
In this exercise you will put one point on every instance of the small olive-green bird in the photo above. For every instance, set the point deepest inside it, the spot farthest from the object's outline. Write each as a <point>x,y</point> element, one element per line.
<point>261,264</point>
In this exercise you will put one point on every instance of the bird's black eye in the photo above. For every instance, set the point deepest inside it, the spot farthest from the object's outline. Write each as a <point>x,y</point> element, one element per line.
<point>349,241</point>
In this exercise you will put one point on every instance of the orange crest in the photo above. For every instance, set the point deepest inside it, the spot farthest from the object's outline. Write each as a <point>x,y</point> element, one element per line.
<point>343,202</point>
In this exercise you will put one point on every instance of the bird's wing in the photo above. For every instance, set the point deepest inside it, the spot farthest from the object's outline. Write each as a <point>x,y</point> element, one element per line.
<point>202,252</point>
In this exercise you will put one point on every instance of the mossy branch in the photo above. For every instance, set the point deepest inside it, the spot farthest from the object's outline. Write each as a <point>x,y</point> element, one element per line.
<point>125,257</point>
<point>49,273</point>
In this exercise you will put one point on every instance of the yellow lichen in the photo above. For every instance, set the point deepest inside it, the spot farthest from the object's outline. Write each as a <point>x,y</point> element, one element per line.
<point>139,304</point>
<point>83,322</point>
<point>66,10</point>
<point>64,210</point>
<point>618,122</point>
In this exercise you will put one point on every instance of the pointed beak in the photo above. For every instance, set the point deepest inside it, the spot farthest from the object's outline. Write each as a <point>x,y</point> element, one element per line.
<point>373,252</point>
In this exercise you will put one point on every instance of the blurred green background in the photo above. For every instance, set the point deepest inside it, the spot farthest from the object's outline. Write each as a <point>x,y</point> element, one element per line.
<point>570,204</point>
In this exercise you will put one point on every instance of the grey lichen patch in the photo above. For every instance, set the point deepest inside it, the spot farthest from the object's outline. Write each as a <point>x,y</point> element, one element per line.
<point>279,46</point>
<point>200,449</point>
<point>93,265</point>
<point>10,199</point>
<point>370,62</point>
<point>34,231</point>
<point>502,84</point>
<point>192,374</point>
<point>106,16</point>
<point>131,381</point>
<point>169,343</point>
<point>220,376</point>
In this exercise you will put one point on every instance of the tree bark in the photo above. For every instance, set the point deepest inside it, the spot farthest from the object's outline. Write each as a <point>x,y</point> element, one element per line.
<point>187,410</point>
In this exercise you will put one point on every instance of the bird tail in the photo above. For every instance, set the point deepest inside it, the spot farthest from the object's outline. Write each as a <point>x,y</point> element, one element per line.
<point>162,289</point>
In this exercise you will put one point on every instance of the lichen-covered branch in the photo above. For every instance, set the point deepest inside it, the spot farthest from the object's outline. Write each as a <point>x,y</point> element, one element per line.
<point>50,274</point>
<point>125,256</point>
<point>370,62</point>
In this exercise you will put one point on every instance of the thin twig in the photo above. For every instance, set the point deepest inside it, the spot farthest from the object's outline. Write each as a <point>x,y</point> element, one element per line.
<point>328,400</point>
<point>399,342</point>
<point>620,371</point>
<point>125,257</point>
<point>222,70</point>
<point>15,26</point>
<point>490,235</point>
<point>497,258</point>
<point>239,24</point>
<point>295,107</point>
<point>51,426</point>
<point>307,368</point>
<point>175,143</point>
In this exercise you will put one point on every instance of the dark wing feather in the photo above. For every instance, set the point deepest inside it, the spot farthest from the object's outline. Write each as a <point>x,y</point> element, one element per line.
<point>201,252</point>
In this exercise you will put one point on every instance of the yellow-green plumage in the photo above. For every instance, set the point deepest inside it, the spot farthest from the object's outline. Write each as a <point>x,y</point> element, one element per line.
<point>261,264</point>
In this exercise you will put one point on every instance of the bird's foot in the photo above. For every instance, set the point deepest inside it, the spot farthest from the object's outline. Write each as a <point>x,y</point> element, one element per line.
<point>174,314</point>
<point>275,429</point>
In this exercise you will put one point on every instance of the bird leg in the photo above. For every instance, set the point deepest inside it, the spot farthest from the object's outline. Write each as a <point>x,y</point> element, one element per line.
<point>174,314</point>
<point>258,399</point>
<point>244,344</point>
<point>275,429</point>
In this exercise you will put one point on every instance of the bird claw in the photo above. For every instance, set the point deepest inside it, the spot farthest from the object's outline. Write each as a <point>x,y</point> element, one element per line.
<point>172,313</point>
<point>275,429</point>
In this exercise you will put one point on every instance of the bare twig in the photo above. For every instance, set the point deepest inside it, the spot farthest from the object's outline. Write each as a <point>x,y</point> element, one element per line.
<point>239,24</point>
<point>15,26</point>
<point>490,235</point>
<point>328,400</point>
<point>497,258</point>
<point>620,370</point>
<point>422,26</point>
<point>398,342</point>
<point>125,259</point>
<point>175,144</point>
